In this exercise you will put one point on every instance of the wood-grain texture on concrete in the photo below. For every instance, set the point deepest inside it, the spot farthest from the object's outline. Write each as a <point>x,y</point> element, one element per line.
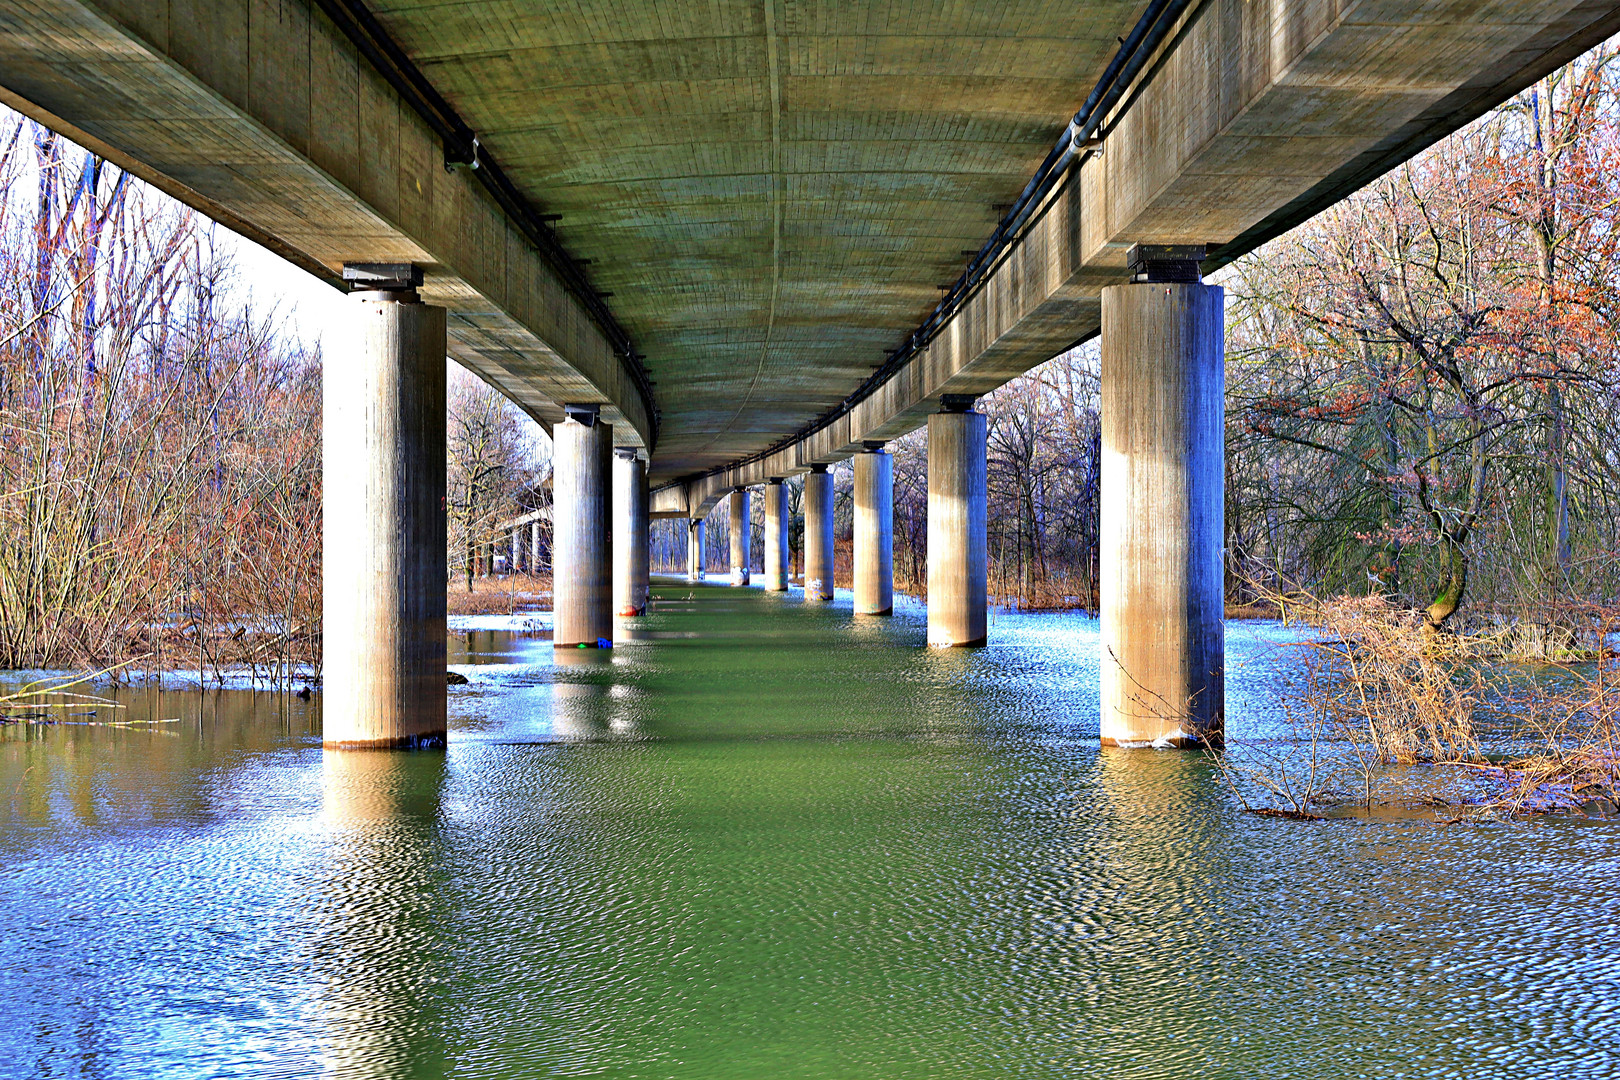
<point>697,552</point>
<point>874,533</point>
<point>631,537</point>
<point>818,536</point>
<point>1160,534</point>
<point>777,554</point>
<point>741,536</point>
<point>957,538</point>
<point>582,546</point>
<point>383,552</point>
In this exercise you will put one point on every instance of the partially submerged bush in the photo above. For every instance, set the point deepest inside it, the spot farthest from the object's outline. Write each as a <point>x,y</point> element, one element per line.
<point>1384,701</point>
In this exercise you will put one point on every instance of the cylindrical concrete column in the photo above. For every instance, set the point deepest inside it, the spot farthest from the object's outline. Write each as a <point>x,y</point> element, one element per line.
<point>382,506</point>
<point>956,525</point>
<point>874,531</point>
<point>515,560</point>
<point>696,553</point>
<point>776,535</point>
<point>582,514</point>
<point>631,537</point>
<point>818,534</point>
<point>1163,484</point>
<point>536,563</point>
<point>741,536</point>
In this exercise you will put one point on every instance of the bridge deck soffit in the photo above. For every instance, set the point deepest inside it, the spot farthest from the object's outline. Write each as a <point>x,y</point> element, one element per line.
<point>1251,119</point>
<point>771,190</point>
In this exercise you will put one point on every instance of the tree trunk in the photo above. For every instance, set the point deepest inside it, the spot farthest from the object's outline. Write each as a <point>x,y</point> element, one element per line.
<point>1453,583</point>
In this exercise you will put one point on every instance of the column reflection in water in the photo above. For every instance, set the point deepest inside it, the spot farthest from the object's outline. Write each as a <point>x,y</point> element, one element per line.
<point>1158,878</point>
<point>377,960</point>
<point>588,701</point>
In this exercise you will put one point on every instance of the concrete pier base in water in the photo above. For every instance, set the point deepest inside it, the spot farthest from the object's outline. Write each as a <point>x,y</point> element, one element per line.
<point>818,534</point>
<point>631,538</point>
<point>741,536</point>
<point>382,505</point>
<point>776,535</point>
<point>581,551</point>
<point>957,582</point>
<point>1163,477</point>
<point>874,532</point>
<point>696,552</point>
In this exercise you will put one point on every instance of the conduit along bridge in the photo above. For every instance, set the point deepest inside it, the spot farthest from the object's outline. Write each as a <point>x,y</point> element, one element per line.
<point>712,246</point>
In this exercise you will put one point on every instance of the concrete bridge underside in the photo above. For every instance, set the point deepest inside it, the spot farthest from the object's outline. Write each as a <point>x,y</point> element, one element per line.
<point>719,220</point>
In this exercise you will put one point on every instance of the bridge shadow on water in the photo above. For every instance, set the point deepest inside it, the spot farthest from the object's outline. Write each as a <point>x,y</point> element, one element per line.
<point>760,837</point>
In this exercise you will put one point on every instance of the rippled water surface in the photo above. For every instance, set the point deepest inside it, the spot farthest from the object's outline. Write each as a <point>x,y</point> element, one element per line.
<point>766,840</point>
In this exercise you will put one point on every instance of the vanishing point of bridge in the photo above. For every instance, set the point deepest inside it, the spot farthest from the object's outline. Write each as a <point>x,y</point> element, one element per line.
<point>711,246</point>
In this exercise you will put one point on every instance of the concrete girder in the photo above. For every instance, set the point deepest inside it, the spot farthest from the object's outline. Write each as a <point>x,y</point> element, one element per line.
<point>1253,118</point>
<point>262,116</point>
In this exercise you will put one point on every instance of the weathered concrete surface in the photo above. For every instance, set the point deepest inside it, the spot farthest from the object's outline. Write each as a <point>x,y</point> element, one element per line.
<point>741,536</point>
<point>957,539</point>
<point>874,533</point>
<point>260,114</point>
<point>777,555</point>
<point>772,191</point>
<point>818,535</point>
<point>1163,482</point>
<point>631,538</point>
<point>382,506</point>
<point>1254,117</point>
<point>696,551</point>
<point>581,546</point>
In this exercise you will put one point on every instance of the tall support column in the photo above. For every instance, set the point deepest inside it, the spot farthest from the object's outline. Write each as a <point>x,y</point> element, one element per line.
<point>956,524</point>
<point>776,535</point>
<point>382,505</point>
<point>631,538</point>
<point>536,563</point>
<point>874,531</point>
<point>581,548</point>
<point>818,534</point>
<point>515,560</point>
<point>741,536</point>
<point>696,553</point>
<point>1163,657</point>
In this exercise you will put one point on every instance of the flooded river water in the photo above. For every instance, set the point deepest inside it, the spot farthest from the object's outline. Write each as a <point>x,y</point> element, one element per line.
<point>767,840</point>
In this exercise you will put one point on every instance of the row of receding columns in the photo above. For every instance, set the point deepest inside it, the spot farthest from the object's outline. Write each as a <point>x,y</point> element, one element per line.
<point>1162,663</point>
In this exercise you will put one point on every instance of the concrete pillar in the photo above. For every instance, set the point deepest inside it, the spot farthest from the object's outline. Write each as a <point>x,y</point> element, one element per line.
<point>741,536</point>
<point>1163,657</point>
<point>536,563</point>
<point>956,524</point>
<point>581,548</point>
<point>695,551</point>
<point>515,561</point>
<point>818,534</point>
<point>631,538</point>
<point>874,531</point>
<point>777,558</point>
<point>382,505</point>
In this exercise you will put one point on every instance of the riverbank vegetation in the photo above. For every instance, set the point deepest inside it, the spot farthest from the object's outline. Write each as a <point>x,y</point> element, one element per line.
<point>1421,391</point>
<point>1386,716</point>
<point>160,481</point>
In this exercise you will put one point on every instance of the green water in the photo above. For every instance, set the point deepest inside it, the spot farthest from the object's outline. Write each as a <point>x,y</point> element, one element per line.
<point>767,840</point>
